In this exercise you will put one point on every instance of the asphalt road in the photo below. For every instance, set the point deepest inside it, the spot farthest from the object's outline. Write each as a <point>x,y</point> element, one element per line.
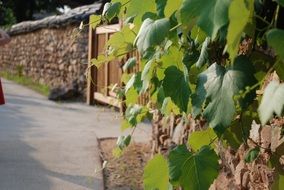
<point>52,146</point>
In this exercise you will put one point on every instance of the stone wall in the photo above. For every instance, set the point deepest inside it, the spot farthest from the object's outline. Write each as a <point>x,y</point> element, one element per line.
<point>51,56</point>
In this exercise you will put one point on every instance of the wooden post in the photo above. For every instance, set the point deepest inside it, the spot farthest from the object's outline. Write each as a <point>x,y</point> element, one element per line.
<point>106,67</point>
<point>91,69</point>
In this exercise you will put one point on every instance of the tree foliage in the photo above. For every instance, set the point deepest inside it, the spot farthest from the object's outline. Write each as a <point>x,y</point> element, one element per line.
<point>192,62</point>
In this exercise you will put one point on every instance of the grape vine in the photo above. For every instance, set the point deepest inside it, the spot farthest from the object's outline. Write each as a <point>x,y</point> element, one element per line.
<point>210,59</point>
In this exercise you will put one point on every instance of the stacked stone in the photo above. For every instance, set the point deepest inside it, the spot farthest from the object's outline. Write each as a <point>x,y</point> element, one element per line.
<point>50,51</point>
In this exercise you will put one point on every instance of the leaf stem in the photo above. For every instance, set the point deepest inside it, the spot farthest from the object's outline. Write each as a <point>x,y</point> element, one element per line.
<point>175,27</point>
<point>262,19</point>
<point>276,15</point>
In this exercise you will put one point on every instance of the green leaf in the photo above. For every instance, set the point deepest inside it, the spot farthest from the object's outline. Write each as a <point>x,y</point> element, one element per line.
<point>101,59</point>
<point>161,7</point>
<point>278,183</point>
<point>156,174</point>
<point>111,10</point>
<point>94,20</point>
<point>275,38</point>
<point>210,15</point>
<point>198,139</point>
<point>131,97</point>
<point>125,125</point>
<point>218,86</point>
<point>121,42</point>
<point>123,142</point>
<point>193,171</point>
<point>173,57</point>
<point>147,74</point>
<point>169,107</point>
<point>279,67</point>
<point>135,114</point>
<point>252,155</point>
<point>280,2</point>
<point>239,16</point>
<point>272,101</point>
<point>171,7</point>
<point>130,63</point>
<point>203,53</point>
<point>176,86</point>
<point>152,33</point>
<point>135,81</point>
<point>165,8</point>
<point>140,10</point>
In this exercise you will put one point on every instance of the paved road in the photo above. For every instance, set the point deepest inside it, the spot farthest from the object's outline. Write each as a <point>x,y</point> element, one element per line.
<point>50,146</point>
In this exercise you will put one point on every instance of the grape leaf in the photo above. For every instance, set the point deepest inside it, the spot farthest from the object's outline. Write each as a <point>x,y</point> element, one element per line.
<point>239,16</point>
<point>252,155</point>
<point>131,96</point>
<point>156,174</point>
<point>275,38</point>
<point>218,86</point>
<point>94,20</point>
<point>135,81</point>
<point>198,139</point>
<point>169,107</point>
<point>111,10</point>
<point>203,53</point>
<point>165,8</point>
<point>173,57</point>
<point>131,62</point>
<point>193,171</point>
<point>101,59</point>
<point>123,142</point>
<point>161,4</point>
<point>171,7</point>
<point>140,10</point>
<point>281,2</point>
<point>209,15</point>
<point>272,101</point>
<point>121,42</point>
<point>279,68</point>
<point>135,114</point>
<point>147,74</point>
<point>152,33</point>
<point>176,86</point>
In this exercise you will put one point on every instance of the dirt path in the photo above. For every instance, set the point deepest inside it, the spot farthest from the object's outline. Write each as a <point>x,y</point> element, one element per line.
<point>50,146</point>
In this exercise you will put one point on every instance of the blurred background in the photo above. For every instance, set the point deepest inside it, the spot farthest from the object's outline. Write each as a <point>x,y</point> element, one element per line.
<point>14,11</point>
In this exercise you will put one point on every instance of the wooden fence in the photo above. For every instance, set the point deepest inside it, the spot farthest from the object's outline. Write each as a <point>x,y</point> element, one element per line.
<point>100,79</point>
<point>110,73</point>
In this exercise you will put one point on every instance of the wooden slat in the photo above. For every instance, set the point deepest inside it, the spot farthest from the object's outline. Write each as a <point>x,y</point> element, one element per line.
<point>101,70</point>
<point>106,71</point>
<point>107,100</point>
<point>108,29</point>
<point>109,73</point>
<point>91,71</point>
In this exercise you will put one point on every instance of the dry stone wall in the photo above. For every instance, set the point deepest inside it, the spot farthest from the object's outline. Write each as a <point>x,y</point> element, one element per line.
<point>51,56</point>
<point>50,50</point>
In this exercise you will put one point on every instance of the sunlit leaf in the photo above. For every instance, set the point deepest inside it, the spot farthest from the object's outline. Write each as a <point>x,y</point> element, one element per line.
<point>239,16</point>
<point>156,174</point>
<point>94,20</point>
<point>198,139</point>
<point>272,101</point>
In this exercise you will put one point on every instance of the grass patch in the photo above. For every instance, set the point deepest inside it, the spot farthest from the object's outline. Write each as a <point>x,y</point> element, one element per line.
<point>26,81</point>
